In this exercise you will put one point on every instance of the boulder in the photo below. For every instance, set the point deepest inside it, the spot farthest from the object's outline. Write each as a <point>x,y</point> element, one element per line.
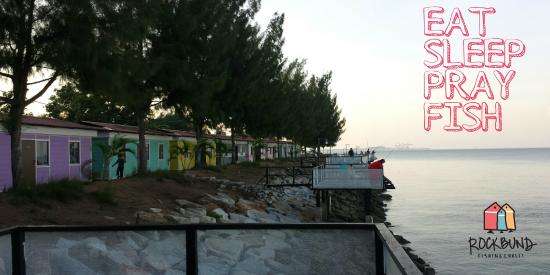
<point>237,217</point>
<point>244,205</point>
<point>182,220</point>
<point>187,204</point>
<point>193,212</point>
<point>213,265</point>
<point>222,214</point>
<point>155,210</point>
<point>220,198</point>
<point>228,249</point>
<point>207,219</point>
<point>164,255</point>
<point>147,217</point>
<point>262,217</point>
<point>61,263</point>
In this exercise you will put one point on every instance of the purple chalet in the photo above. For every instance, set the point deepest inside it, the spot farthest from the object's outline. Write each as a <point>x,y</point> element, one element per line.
<point>51,150</point>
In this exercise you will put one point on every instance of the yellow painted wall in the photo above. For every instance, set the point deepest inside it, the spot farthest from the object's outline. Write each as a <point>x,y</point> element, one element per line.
<point>180,162</point>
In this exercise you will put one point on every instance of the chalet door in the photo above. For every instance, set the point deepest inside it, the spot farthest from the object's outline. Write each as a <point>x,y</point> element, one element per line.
<point>28,175</point>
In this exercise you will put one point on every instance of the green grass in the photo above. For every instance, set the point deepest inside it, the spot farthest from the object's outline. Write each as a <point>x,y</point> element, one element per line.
<point>62,190</point>
<point>106,195</point>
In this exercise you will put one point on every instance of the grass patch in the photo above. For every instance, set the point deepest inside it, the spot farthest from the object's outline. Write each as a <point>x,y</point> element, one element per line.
<point>249,164</point>
<point>62,190</point>
<point>105,195</point>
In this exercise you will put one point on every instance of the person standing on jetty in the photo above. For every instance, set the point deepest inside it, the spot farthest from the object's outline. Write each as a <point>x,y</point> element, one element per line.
<point>350,152</point>
<point>371,157</point>
<point>120,166</point>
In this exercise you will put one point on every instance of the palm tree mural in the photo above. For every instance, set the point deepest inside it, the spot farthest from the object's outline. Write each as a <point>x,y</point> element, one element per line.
<point>183,153</point>
<point>203,149</point>
<point>116,146</point>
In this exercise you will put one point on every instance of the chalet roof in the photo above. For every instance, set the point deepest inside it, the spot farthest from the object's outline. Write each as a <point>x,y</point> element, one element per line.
<point>179,133</point>
<point>112,127</point>
<point>56,123</point>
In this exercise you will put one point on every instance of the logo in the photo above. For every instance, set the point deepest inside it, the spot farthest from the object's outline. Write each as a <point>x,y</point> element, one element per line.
<point>501,218</point>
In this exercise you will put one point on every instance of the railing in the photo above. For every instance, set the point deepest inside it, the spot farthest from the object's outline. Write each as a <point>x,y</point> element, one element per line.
<point>311,161</point>
<point>336,160</point>
<point>365,248</point>
<point>347,177</point>
<point>287,176</point>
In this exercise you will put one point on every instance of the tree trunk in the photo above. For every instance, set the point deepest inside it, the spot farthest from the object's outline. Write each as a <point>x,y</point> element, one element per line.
<point>234,153</point>
<point>17,109</point>
<point>200,158</point>
<point>142,149</point>
<point>16,161</point>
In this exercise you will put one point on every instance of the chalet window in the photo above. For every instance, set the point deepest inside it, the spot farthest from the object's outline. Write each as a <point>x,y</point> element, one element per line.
<point>42,153</point>
<point>74,152</point>
<point>161,151</point>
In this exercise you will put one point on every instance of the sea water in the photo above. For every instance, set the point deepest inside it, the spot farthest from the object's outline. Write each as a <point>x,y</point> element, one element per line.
<point>441,195</point>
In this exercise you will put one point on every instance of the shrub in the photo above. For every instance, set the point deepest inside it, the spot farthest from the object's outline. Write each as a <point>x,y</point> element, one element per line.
<point>62,190</point>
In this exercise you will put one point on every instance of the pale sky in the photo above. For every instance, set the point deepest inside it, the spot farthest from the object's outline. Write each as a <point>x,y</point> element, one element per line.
<point>375,49</point>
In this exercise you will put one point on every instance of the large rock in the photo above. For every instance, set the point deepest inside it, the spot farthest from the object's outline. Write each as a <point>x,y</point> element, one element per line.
<point>155,210</point>
<point>148,217</point>
<point>238,218</point>
<point>221,199</point>
<point>207,219</point>
<point>262,217</point>
<point>95,254</point>
<point>164,255</point>
<point>62,263</point>
<point>250,265</point>
<point>220,213</point>
<point>193,212</point>
<point>244,205</point>
<point>228,249</point>
<point>187,204</point>
<point>182,220</point>
<point>209,265</point>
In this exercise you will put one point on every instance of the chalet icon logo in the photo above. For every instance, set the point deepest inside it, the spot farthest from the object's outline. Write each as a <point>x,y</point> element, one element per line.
<point>499,218</point>
<point>506,246</point>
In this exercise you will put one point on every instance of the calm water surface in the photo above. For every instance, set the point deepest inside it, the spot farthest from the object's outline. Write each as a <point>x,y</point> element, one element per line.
<point>441,195</point>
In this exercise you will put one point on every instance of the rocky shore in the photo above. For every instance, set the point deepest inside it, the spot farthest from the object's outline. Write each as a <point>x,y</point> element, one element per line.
<point>234,252</point>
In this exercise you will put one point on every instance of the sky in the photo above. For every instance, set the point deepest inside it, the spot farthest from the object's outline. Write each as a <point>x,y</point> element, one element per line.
<point>375,50</point>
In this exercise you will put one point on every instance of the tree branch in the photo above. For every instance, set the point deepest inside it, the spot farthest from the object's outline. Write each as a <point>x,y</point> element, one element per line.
<point>6,75</point>
<point>44,89</point>
<point>40,81</point>
<point>4,99</point>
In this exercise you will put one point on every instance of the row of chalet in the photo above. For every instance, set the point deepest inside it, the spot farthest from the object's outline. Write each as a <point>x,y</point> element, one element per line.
<point>55,149</point>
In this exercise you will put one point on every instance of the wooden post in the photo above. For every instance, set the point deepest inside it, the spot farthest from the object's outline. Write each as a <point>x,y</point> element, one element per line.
<point>325,205</point>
